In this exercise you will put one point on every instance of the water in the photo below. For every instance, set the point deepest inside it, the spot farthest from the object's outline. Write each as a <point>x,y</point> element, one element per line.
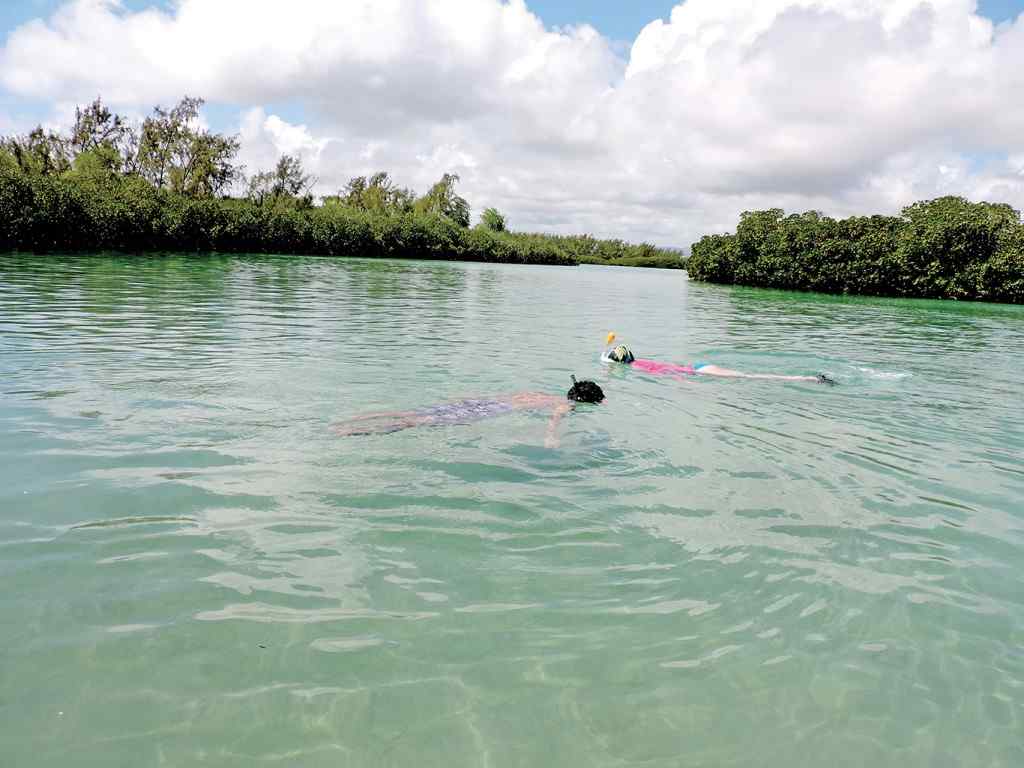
<point>196,570</point>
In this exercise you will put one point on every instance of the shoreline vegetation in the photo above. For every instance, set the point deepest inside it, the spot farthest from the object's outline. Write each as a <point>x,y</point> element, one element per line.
<point>947,248</point>
<point>169,185</point>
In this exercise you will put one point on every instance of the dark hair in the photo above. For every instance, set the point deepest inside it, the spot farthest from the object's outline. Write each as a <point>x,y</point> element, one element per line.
<point>585,392</point>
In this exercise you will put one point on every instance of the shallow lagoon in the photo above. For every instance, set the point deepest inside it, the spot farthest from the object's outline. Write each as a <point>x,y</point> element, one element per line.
<point>706,572</point>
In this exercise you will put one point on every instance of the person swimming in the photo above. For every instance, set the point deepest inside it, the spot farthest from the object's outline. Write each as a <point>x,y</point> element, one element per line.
<point>620,353</point>
<point>471,410</point>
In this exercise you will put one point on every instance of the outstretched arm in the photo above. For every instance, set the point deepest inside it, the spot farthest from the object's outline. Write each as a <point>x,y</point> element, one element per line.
<point>551,438</point>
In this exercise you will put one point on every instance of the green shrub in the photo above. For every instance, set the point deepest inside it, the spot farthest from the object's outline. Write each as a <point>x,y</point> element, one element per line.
<point>79,211</point>
<point>944,248</point>
<point>90,208</point>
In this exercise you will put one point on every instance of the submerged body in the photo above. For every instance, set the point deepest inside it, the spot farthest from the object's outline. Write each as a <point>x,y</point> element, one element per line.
<point>622,354</point>
<point>474,409</point>
<point>447,414</point>
<point>707,369</point>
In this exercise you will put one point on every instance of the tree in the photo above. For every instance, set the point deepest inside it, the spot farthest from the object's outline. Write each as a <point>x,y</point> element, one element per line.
<point>946,241</point>
<point>96,126</point>
<point>174,154</point>
<point>102,142</point>
<point>160,134</point>
<point>39,152</point>
<point>105,137</point>
<point>378,194</point>
<point>441,200</point>
<point>8,163</point>
<point>288,181</point>
<point>99,165</point>
<point>492,220</point>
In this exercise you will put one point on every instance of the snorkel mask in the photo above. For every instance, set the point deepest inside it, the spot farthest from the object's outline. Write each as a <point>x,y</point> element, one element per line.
<point>621,354</point>
<point>617,354</point>
<point>585,392</point>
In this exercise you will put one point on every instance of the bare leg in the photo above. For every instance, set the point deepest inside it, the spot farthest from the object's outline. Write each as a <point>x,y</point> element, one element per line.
<point>714,370</point>
<point>385,424</point>
<point>381,415</point>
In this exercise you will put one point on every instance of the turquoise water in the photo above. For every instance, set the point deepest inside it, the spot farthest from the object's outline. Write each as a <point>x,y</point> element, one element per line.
<point>197,571</point>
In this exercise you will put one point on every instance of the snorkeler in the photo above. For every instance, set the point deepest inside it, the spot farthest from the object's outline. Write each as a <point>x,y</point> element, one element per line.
<point>621,354</point>
<point>477,409</point>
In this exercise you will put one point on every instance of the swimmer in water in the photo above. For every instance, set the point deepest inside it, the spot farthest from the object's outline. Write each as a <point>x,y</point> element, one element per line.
<point>621,354</point>
<point>476,409</point>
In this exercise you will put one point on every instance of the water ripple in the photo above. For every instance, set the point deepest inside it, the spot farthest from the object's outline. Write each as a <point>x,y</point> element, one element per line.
<point>197,569</point>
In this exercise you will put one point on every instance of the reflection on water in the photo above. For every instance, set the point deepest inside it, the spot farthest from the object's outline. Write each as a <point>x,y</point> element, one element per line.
<point>706,572</point>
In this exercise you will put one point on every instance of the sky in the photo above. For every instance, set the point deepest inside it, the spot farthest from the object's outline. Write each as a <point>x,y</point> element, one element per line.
<point>647,120</point>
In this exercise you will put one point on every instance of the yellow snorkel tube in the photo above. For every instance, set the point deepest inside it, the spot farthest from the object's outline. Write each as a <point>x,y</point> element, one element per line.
<point>609,340</point>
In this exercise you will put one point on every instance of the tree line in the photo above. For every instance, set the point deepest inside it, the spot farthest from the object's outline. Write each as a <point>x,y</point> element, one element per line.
<point>168,184</point>
<point>947,248</point>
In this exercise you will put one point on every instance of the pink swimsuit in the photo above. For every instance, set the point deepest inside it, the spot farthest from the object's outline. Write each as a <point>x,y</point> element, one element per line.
<point>663,369</point>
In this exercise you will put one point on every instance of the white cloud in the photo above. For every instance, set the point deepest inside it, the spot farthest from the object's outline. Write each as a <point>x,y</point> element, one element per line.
<point>843,105</point>
<point>265,138</point>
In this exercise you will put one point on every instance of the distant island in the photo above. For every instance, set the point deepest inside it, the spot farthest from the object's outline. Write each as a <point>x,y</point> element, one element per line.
<point>167,184</point>
<point>947,248</point>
